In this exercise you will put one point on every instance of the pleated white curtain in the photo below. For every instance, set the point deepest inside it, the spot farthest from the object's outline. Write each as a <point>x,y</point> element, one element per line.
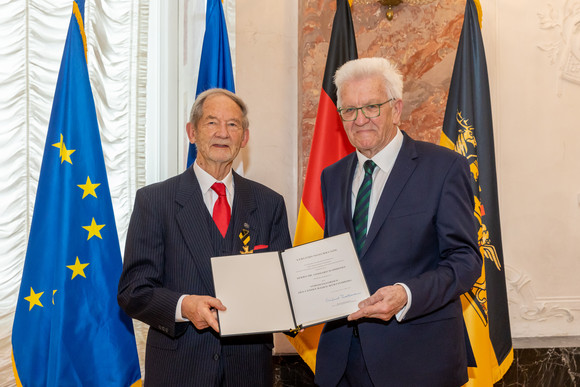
<point>32,36</point>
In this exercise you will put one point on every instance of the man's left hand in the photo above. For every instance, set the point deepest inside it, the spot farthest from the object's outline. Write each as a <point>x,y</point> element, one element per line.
<point>384,304</point>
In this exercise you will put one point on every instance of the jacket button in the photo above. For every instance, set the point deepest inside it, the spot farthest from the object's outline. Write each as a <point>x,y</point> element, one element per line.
<point>216,356</point>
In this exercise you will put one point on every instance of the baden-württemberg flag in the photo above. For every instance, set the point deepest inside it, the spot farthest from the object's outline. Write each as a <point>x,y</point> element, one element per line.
<point>215,67</point>
<point>68,328</point>
<point>467,128</point>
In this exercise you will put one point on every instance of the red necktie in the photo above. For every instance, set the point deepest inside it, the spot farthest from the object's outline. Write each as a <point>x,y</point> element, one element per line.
<point>221,209</point>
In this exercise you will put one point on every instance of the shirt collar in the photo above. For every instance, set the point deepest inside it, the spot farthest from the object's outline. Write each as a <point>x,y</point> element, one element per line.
<point>206,180</point>
<point>386,157</point>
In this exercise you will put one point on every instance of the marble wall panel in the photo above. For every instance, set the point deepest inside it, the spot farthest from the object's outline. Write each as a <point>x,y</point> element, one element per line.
<point>420,39</point>
<point>539,367</point>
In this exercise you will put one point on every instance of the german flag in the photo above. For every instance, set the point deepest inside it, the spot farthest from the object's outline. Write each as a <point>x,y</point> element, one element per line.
<point>468,129</point>
<point>329,144</point>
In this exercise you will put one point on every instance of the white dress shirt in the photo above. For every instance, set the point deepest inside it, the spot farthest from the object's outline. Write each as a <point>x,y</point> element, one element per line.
<point>205,181</point>
<point>385,160</point>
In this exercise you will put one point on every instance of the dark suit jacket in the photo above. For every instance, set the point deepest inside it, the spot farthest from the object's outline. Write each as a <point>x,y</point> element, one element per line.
<point>170,241</point>
<point>423,233</point>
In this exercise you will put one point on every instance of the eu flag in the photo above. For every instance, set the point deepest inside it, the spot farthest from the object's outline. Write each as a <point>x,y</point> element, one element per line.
<point>215,67</point>
<point>68,328</point>
<point>467,128</point>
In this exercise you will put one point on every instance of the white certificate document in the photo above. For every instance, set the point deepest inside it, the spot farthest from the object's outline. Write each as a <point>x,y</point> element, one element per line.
<point>325,280</point>
<point>280,291</point>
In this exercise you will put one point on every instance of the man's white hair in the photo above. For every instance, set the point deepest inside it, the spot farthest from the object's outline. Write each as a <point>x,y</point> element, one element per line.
<point>370,67</point>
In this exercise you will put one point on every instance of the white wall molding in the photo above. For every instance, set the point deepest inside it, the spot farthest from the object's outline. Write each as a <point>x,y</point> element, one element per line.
<point>531,315</point>
<point>561,43</point>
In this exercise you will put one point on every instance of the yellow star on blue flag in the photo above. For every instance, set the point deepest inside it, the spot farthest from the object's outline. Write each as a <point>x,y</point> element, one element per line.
<point>34,299</point>
<point>89,188</point>
<point>94,229</point>
<point>64,153</point>
<point>78,268</point>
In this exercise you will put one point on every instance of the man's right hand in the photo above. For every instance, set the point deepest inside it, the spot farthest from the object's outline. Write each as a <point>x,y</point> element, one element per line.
<point>202,311</point>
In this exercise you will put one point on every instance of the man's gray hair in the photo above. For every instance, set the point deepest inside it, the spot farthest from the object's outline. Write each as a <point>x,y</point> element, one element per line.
<point>370,67</point>
<point>197,108</point>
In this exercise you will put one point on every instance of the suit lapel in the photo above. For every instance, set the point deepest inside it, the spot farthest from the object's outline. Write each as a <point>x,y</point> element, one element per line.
<point>347,200</point>
<point>192,223</point>
<point>244,225</point>
<point>402,170</point>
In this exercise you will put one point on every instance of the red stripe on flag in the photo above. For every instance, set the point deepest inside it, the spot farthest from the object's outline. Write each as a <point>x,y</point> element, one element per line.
<point>329,144</point>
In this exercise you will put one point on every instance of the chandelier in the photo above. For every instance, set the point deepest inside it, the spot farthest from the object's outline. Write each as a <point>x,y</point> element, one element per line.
<point>391,3</point>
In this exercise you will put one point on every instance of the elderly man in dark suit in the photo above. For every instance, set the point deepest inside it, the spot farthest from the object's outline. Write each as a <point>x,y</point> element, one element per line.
<point>410,210</point>
<point>176,227</point>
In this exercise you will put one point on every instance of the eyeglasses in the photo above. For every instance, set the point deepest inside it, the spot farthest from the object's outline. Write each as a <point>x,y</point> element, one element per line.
<point>369,111</point>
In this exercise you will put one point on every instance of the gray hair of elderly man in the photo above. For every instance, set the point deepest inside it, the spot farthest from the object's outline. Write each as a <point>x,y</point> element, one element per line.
<point>367,68</point>
<point>197,109</point>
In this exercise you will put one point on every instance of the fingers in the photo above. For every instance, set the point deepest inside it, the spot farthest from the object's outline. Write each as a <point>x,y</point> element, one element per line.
<point>356,315</point>
<point>216,304</point>
<point>202,311</point>
<point>377,297</point>
<point>212,321</point>
<point>364,306</point>
<point>383,304</point>
<point>379,310</point>
<point>369,307</point>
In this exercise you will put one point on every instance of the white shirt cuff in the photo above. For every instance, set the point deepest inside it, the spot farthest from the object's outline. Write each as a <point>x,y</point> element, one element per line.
<point>401,315</point>
<point>178,316</point>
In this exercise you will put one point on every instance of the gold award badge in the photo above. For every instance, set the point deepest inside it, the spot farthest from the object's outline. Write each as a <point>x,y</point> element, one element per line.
<point>245,238</point>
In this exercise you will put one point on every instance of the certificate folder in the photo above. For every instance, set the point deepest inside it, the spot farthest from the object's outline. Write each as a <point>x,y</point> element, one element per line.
<point>287,290</point>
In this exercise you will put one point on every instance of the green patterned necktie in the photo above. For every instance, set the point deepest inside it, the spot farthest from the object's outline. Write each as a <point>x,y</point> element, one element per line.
<point>361,209</point>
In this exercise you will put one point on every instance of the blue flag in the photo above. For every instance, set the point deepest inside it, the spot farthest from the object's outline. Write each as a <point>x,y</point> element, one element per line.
<point>215,67</point>
<point>68,328</point>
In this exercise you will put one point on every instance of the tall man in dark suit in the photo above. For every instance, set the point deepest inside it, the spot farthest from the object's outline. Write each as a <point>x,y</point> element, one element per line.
<point>166,280</point>
<point>410,213</point>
